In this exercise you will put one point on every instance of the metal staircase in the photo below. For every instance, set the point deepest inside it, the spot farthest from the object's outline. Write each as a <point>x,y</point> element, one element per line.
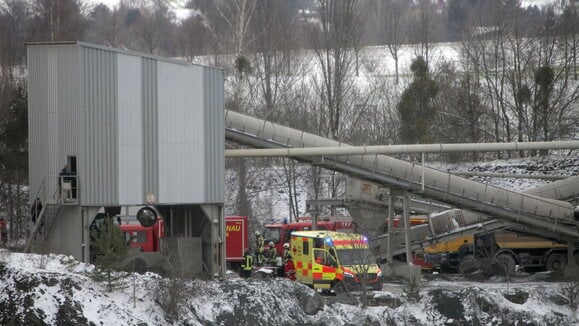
<point>44,225</point>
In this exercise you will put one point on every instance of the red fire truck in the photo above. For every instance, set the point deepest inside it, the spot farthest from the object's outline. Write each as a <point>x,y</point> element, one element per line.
<point>145,238</point>
<point>236,240</point>
<point>148,238</point>
<point>280,233</point>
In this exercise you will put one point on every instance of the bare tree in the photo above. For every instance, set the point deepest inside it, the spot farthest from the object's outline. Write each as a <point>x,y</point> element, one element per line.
<point>569,31</point>
<point>424,24</point>
<point>104,26</point>
<point>463,115</point>
<point>485,48</point>
<point>58,20</point>
<point>333,44</point>
<point>154,30</point>
<point>192,38</point>
<point>393,25</point>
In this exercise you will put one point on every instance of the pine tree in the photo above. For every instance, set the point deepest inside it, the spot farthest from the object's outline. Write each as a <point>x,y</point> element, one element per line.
<point>417,107</point>
<point>111,247</point>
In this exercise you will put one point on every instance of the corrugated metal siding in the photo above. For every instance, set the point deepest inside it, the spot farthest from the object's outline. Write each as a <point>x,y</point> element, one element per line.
<point>53,116</point>
<point>100,176</point>
<point>68,113</point>
<point>181,133</point>
<point>37,116</point>
<point>213,96</point>
<point>66,236</point>
<point>130,140</point>
<point>150,129</point>
<point>74,99</point>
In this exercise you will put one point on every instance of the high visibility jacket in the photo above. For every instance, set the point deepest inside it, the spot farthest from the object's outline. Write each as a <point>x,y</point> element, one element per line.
<point>259,244</point>
<point>271,255</point>
<point>247,263</point>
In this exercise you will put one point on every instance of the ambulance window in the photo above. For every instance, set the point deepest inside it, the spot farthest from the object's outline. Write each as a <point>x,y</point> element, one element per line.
<point>306,249</point>
<point>333,252</point>
<point>318,243</point>
<point>330,261</point>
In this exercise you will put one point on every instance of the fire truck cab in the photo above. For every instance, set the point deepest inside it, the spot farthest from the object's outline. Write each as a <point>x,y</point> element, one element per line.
<point>334,260</point>
<point>280,233</point>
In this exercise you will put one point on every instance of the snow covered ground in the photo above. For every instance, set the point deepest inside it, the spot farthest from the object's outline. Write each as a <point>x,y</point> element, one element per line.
<point>57,290</point>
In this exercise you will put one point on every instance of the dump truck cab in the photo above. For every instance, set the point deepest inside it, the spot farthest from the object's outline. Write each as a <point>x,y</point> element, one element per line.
<point>334,260</point>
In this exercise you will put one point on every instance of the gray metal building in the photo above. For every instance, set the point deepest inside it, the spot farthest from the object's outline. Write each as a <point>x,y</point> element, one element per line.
<point>132,129</point>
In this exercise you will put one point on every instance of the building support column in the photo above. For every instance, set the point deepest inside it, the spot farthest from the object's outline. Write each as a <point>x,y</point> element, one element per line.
<point>389,248</point>
<point>406,214</point>
<point>217,261</point>
<point>87,215</point>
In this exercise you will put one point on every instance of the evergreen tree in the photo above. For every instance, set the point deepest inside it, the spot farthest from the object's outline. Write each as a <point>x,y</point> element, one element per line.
<point>14,155</point>
<point>111,247</point>
<point>417,107</point>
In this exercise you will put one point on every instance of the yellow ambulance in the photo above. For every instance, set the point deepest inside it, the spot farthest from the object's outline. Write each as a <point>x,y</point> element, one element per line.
<point>334,260</point>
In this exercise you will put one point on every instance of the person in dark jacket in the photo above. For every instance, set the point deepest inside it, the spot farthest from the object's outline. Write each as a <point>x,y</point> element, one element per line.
<point>35,209</point>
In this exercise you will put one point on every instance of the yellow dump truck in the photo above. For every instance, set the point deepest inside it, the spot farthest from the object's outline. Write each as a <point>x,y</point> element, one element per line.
<point>509,248</point>
<point>334,260</point>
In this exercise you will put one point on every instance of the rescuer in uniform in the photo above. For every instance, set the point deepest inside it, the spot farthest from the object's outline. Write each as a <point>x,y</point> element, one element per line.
<point>271,254</point>
<point>246,265</point>
<point>289,268</point>
<point>286,252</point>
<point>259,248</point>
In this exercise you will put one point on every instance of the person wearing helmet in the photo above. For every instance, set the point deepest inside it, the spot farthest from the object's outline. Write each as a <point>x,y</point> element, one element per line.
<point>259,248</point>
<point>289,268</point>
<point>286,251</point>
<point>271,254</point>
<point>246,265</point>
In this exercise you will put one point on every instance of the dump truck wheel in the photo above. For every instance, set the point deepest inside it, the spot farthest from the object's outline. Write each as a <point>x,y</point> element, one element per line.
<point>466,264</point>
<point>556,262</point>
<point>507,262</point>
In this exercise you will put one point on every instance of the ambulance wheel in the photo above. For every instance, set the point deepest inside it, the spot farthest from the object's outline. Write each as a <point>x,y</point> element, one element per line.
<point>339,288</point>
<point>378,286</point>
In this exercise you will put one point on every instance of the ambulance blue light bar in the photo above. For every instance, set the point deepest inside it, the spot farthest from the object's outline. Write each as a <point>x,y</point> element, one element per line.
<point>329,241</point>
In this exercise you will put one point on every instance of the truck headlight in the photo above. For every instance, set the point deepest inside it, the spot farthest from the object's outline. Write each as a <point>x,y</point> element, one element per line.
<point>379,273</point>
<point>348,274</point>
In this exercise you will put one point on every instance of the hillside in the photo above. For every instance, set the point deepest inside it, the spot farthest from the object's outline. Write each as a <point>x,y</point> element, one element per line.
<point>56,290</point>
